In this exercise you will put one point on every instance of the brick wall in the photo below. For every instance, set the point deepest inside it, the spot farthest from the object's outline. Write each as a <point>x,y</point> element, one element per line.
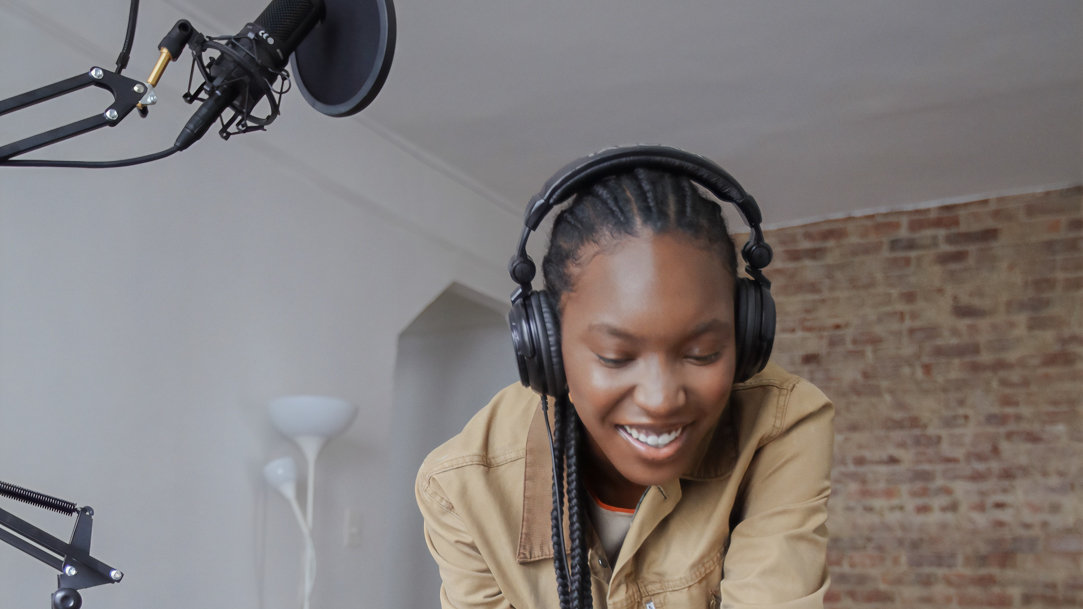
<point>951,340</point>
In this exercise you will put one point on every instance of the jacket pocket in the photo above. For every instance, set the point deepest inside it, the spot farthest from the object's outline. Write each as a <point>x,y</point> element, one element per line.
<point>680,594</point>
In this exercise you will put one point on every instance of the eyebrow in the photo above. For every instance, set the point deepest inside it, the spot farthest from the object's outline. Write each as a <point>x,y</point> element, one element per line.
<point>700,329</point>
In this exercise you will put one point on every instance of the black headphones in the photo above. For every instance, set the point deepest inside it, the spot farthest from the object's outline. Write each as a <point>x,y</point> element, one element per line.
<point>535,326</point>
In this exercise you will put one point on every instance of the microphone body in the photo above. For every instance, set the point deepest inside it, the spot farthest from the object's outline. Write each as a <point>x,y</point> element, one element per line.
<point>241,75</point>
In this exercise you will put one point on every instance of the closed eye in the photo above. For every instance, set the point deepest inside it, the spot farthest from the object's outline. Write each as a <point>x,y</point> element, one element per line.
<point>612,362</point>
<point>703,360</point>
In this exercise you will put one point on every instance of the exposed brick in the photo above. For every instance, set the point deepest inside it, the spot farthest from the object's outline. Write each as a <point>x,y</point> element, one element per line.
<point>925,598</point>
<point>992,560</point>
<point>1066,542</point>
<point>925,333</point>
<point>1044,600</point>
<point>970,310</point>
<point>856,250</point>
<point>910,244</point>
<point>950,342</point>
<point>985,599</point>
<point>804,254</point>
<point>879,230</point>
<point>972,237</point>
<point>955,350</point>
<point>1054,206</point>
<point>1034,304</point>
<point>911,422</point>
<point>1018,544</point>
<point>897,264</point>
<point>864,460</point>
<point>830,234</point>
<point>1028,436</point>
<point>957,580</point>
<point>946,560</point>
<point>1060,358</point>
<point>954,420</point>
<point>911,476</point>
<point>866,338</point>
<point>952,257</point>
<point>1041,285</point>
<point>1059,247</point>
<point>865,560</point>
<point>802,288</point>
<point>917,225</point>
<point>909,578</point>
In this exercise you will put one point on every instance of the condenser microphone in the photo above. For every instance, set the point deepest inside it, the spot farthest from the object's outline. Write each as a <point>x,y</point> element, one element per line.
<point>250,62</point>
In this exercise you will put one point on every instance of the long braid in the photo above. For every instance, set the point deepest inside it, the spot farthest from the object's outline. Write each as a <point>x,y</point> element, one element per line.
<point>573,576</point>
<point>556,518</point>
<point>580,567</point>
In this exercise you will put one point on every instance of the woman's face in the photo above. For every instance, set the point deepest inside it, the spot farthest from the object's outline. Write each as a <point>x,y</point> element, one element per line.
<point>648,343</point>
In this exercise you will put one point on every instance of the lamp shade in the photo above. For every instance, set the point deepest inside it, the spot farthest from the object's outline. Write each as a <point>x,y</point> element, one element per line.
<point>298,416</point>
<point>281,474</point>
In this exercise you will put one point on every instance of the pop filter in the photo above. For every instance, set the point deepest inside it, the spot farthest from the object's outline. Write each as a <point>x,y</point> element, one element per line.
<point>343,62</point>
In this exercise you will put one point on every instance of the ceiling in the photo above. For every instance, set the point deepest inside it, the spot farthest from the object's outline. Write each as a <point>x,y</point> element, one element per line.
<point>820,109</point>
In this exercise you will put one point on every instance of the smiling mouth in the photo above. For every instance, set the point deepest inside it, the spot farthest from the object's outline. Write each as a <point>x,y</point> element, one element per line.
<point>652,439</point>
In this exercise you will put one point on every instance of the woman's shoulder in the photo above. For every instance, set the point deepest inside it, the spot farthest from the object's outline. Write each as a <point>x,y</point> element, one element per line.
<point>496,433</point>
<point>774,400</point>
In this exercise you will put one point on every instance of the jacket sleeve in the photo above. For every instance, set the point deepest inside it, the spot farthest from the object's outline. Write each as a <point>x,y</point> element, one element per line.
<point>777,555</point>
<point>466,579</point>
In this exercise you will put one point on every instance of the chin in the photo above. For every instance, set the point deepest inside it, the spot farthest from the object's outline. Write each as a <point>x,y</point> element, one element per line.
<point>655,477</point>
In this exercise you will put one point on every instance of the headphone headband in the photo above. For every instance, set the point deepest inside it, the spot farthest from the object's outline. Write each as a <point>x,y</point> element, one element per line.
<point>613,161</point>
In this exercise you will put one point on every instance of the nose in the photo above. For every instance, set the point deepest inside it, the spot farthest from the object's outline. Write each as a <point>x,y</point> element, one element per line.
<point>660,389</point>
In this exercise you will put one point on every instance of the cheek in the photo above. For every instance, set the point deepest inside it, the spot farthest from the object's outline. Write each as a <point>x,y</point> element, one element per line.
<point>712,385</point>
<point>592,388</point>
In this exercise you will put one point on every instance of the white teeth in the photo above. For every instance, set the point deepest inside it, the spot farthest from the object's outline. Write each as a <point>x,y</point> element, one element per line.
<point>651,439</point>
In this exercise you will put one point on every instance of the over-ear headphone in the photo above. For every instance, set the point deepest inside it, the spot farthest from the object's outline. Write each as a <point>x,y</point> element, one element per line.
<point>535,324</point>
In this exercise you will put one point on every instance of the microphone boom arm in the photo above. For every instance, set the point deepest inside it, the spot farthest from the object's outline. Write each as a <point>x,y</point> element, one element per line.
<point>77,568</point>
<point>127,94</point>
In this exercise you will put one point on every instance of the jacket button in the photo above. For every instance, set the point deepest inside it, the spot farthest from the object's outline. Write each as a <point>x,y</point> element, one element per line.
<point>601,563</point>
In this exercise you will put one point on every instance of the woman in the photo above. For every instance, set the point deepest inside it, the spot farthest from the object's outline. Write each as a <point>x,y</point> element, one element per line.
<point>691,472</point>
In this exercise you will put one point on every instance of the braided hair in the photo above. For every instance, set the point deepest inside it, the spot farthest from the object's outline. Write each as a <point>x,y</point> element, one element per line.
<point>636,203</point>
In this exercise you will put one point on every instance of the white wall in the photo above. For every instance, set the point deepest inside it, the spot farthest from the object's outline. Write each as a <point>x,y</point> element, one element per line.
<point>450,362</point>
<point>148,314</point>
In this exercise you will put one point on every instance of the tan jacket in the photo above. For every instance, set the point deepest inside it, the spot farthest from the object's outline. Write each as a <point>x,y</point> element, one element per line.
<point>745,528</point>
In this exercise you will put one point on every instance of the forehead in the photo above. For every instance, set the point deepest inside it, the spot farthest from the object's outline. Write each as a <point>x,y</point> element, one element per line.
<point>648,283</point>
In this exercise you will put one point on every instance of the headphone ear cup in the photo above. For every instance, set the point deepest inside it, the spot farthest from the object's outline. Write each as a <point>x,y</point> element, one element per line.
<point>521,339</point>
<point>550,360</point>
<point>535,335</point>
<point>754,320</point>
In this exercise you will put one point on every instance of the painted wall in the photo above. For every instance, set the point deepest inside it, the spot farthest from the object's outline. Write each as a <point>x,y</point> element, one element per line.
<point>451,361</point>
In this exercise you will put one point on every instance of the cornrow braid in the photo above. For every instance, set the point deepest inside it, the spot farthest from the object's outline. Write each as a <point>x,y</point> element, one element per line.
<point>639,202</point>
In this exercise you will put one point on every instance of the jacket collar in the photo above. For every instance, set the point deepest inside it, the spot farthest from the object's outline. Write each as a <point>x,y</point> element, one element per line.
<point>718,454</point>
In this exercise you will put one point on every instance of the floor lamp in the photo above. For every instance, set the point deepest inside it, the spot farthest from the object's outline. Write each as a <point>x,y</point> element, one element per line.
<point>310,421</point>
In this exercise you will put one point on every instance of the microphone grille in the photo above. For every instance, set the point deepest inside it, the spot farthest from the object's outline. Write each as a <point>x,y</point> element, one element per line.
<point>282,18</point>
